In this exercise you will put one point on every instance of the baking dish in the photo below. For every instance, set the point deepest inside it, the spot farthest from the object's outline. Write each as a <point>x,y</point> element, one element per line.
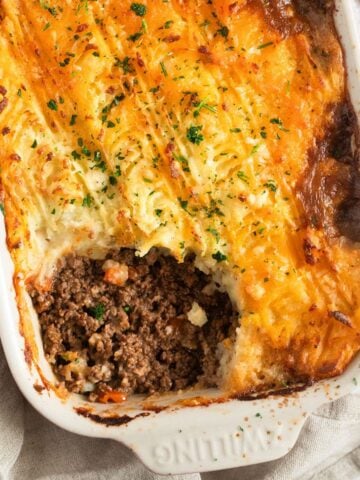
<point>178,433</point>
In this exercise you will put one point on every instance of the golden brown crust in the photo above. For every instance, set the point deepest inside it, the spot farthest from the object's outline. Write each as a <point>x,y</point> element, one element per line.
<point>211,127</point>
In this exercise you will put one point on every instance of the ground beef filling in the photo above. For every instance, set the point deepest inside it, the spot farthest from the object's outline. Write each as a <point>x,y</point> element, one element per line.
<point>122,324</point>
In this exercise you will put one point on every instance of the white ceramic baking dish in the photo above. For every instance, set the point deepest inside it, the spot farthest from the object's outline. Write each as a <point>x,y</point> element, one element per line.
<point>184,436</point>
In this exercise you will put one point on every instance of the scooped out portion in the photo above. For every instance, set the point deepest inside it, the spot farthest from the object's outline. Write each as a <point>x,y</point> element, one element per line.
<point>134,324</point>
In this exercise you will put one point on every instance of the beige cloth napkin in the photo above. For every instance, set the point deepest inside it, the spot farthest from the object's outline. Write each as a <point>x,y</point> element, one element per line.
<point>32,448</point>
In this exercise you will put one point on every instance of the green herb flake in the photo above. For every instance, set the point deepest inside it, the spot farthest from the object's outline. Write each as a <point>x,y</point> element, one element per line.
<point>183,203</point>
<point>73,120</point>
<point>2,209</point>
<point>75,155</point>
<point>127,309</point>
<point>183,162</point>
<point>52,105</point>
<point>263,133</point>
<point>65,63</point>
<point>125,64</point>
<point>163,69</point>
<point>168,23</point>
<point>271,185</point>
<point>265,45</point>
<point>98,311</point>
<point>219,257</point>
<point>139,9</point>
<point>243,177</point>
<point>203,104</point>
<point>254,149</point>
<point>87,201</point>
<point>85,151</point>
<point>158,212</point>
<point>279,123</point>
<point>135,36</point>
<point>215,233</point>
<point>355,382</point>
<point>34,144</point>
<point>193,134</point>
<point>223,31</point>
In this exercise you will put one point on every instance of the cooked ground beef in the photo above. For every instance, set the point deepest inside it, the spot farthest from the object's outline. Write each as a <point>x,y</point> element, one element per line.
<point>122,323</point>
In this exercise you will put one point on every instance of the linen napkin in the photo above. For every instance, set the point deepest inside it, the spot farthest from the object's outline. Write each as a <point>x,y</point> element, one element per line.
<point>31,448</point>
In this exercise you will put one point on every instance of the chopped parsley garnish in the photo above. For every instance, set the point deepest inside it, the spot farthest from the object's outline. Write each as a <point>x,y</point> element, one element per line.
<point>213,209</point>
<point>2,209</point>
<point>219,256</point>
<point>125,65</point>
<point>254,149</point>
<point>110,124</point>
<point>52,105</point>
<point>168,23</point>
<point>113,180</point>
<point>139,9</point>
<point>34,144</point>
<point>87,201</point>
<point>46,6</point>
<point>75,155</point>
<point>65,62</point>
<point>117,99</point>
<point>127,309</point>
<point>279,123</point>
<point>163,69</point>
<point>215,233</point>
<point>183,162</point>
<point>135,36</point>
<point>158,212</point>
<point>206,106</point>
<point>243,177</point>
<point>193,134</point>
<point>183,203</point>
<point>264,45</point>
<point>235,130</point>
<point>85,151</point>
<point>98,311</point>
<point>271,185</point>
<point>223,31</point>
<point>73,120</point>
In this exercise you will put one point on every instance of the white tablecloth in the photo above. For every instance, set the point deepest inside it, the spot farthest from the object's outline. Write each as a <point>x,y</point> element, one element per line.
<point>32,448</point>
